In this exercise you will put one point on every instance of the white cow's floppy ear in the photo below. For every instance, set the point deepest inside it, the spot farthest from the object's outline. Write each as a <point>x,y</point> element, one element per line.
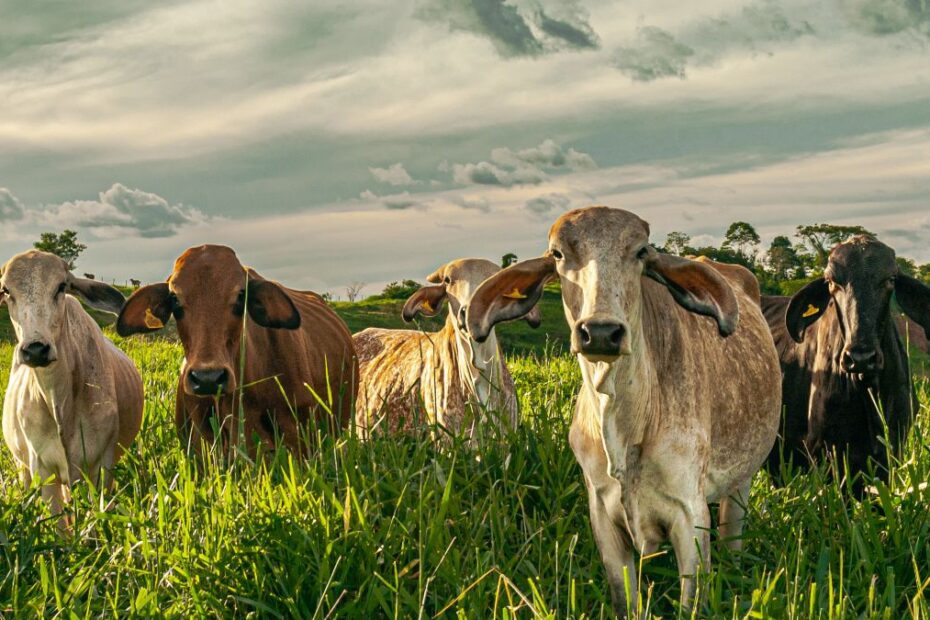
<point>427,301</point>
<point>97,295</point>
<point>696,287</point>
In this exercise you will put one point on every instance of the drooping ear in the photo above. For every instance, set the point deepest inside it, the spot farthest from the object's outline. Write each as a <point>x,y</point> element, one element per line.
<point>436,276</point>
<point>805,307</point>
<point>270,306</point>
<point>697,287</point>
<point>914,298</point>
<point>426,301</point>
<point>509,294</point>
<point>98,295</point>
<point>533,318</point>
<point>147,310</point>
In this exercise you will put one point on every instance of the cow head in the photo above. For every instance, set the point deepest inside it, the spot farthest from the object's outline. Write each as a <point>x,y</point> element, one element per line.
<point>859,281</point>
<point>600,255</point>
<point>456,282</point>
<point>210,294</point>
<point>34,285</point>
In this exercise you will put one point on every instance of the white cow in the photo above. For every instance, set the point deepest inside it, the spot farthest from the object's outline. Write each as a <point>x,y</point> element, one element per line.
<point>74,401</point>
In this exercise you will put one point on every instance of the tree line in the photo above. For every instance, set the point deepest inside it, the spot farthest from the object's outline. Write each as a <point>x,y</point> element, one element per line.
<point>786,263</point>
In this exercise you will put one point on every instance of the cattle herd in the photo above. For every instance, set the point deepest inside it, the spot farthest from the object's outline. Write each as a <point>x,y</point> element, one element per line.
<point>691,380</point>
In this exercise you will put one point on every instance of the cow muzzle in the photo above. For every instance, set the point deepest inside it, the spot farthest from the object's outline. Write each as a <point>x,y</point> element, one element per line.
<point>36,354</point>
<point>208,381</point>
<point>601,340</point>
<point>861,360</point>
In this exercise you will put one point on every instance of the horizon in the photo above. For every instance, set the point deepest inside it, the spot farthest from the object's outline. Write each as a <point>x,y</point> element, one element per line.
<point>331,144</point>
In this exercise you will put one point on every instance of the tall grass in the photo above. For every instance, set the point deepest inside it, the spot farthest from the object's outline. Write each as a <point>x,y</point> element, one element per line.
<point>393,528</point>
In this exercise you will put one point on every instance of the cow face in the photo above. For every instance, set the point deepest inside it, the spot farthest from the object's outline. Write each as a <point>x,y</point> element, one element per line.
<point>34,286</point>
<point>455,282</point>
<point>209,293</point>
<point>600,255</point>
<point>859,280</point>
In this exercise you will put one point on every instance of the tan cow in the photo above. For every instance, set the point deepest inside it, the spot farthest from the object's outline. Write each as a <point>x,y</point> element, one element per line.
<point>676,409</point>
<point>298,359</point>
<point>74,400</point>
<point>410,378</point>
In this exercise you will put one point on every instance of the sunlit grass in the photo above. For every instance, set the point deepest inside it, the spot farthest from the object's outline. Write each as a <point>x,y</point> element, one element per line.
<point>394,528</point>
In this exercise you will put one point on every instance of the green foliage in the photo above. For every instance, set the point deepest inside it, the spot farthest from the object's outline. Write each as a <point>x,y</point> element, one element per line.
<point>64,245</point>
<point>508,259</point>
<point>820,238</point>
<point>398,290</point>
<point>742,238</point>
<point>906,266</point>
<point>396,528</point>
<point>677,243</point>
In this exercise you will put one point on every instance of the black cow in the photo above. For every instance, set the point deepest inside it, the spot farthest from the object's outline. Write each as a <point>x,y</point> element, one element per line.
<point>841,355</point>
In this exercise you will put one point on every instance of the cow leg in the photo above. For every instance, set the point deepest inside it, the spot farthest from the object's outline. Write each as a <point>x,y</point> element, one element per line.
<point>615,550</point>
<point>732,515</point>
<point>55,489</point>
<point>690,537</point>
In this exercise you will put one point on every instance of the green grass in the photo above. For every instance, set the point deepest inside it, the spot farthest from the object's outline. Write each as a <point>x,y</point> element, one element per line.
<point>394,528</point>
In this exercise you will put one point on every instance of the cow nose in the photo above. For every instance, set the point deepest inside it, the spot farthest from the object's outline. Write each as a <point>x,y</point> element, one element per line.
<point>208,381</point>
<point>601,338</point>
<point>36,354</point>
<point>860,359</point>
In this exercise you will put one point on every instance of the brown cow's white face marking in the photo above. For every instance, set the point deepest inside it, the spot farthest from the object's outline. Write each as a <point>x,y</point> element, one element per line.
<point>35,286</point>
<point>599,256</point>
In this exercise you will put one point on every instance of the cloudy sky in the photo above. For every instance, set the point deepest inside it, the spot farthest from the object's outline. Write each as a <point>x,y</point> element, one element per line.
<point>370,140</point>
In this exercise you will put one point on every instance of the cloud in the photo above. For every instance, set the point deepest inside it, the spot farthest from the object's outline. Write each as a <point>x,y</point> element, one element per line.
<point>655,54</point>
<point>573,29</point>
<point>10,206</point>
<point>394,202</point>
<point>120,210</point>
<point>757,28</point>
<point>885,17</point>
<point>394,174</point>
<point>510,29</point>
<point>523,167</point>
<point>472,203</point>
<point>543,205</point>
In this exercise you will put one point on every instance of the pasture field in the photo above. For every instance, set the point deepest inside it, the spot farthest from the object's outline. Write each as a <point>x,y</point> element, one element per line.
<point>395,528</point>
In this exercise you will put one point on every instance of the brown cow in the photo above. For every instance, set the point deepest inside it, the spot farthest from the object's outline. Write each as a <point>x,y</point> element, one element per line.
<point>412,377</point>
<point>676,410</point>
<point>297,352</point>
<point>74,400</point>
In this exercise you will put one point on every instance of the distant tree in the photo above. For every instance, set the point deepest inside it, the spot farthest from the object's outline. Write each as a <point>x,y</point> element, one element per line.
<point>906,266</point>
<point>724,255</point>
<point>677,243</point>
<point>821,238</point>
<point>508,259</point>
<point>64,245</point>
<point>923,273</point>
<point>327,296</point>
<point>353,290</point>
<point>400,290</point>
<point>742,238</point>
<point>783,259</point>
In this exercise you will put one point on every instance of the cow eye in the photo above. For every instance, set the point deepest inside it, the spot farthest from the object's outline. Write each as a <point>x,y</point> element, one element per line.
<point>447,280</point>
<point>61,289</point>
<point>556,254</point>
<point>176,308</point>
<point>642,253</point>
<point>239,306</point>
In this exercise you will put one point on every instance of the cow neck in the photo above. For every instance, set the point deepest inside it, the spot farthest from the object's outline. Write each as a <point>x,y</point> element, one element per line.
<point>57,382</point>
<point>624,392</point>
<point>478,364</point>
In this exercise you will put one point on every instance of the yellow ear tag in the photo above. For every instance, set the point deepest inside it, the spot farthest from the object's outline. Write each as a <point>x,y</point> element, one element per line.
<point>151,321</point>
<point>515,294</point>
<point>426,306</point>
<point>811,311</point>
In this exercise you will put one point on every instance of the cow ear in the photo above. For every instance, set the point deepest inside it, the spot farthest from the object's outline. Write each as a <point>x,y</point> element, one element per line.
<point>914,298</point>
<point>426,301</point>
<point>98,295</point>
<point>697,287</point>
<point>805,307</point>
<point>509,294</point>
<point>270,306</point>
<point>147,310</point>
<point>533,318</point>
